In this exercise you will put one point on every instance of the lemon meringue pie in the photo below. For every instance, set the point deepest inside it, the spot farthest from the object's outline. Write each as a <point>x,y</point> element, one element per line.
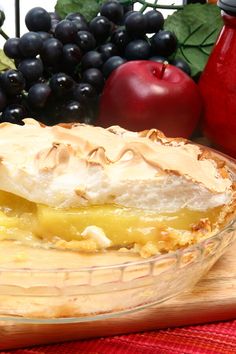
<point>85,188</point>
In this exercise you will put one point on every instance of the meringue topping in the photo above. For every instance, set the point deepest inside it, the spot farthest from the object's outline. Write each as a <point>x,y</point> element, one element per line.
<point>49,165</point>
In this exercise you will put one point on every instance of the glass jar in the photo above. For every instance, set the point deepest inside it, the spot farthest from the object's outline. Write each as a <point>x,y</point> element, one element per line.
<point>218,84</point>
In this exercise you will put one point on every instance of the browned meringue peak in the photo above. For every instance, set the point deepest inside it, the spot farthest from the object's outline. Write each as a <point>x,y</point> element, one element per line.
<point>174,155</point>
<point>145,155</point>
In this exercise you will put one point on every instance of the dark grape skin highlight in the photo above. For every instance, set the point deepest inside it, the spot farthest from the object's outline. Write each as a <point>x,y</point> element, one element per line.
<point>135,24</point>
<point>108,50</point>
<point>61,84</point>
<point>85,40</point>
<point>94,77</point>
<point>38,95</point>
<point>113,10</point>
<point>31,69</point>
<point>137,50</point>
<point>154,21</point>
<point>164,43</point>
<point>65,31</point>
<point>12,82</point>
<point>14,113</point>
<point>92,59</point>
<point>84,93</point>
<point>111,64</point>
<point>73,111</point>
<point>101,28</point>
<point>78,20</point>
<point>51,52</point>
<point>71,55</point>
<point>30,44</point>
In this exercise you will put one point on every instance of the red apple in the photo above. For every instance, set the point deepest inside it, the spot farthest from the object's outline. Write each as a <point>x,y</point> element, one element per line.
<point>145,94</point>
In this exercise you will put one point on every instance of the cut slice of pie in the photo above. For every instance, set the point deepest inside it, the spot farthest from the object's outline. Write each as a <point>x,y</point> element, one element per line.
<point>91,189</point>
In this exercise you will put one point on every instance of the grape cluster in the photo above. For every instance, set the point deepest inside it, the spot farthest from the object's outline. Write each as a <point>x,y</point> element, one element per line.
<point>62,64</point>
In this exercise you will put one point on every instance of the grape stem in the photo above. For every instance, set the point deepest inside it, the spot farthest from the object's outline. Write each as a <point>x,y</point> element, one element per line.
<point>3,34</point>
<point>156,6</point>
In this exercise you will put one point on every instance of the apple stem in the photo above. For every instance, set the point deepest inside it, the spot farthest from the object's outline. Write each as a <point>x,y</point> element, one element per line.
<point>164,66</point>
<point>160,74</point>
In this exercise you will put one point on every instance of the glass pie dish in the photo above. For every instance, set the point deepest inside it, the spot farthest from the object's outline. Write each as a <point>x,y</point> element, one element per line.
<point>94,286</point>
<point>51,295</point>
<point>93,292</point>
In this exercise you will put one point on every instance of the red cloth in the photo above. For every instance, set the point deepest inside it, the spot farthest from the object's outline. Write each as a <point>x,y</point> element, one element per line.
<point>216,338</point>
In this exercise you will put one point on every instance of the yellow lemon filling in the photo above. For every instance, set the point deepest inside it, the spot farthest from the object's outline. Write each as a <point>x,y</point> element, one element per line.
<point>29,222</point>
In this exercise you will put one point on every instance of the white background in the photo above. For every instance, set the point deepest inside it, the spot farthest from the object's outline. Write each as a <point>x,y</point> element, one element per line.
<point>25,5</point>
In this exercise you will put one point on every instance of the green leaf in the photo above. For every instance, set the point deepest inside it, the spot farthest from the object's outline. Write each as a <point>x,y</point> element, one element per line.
<point>2,18</point>
<point>197,28</point>
<point>88,8</point>
<point>5,62</point>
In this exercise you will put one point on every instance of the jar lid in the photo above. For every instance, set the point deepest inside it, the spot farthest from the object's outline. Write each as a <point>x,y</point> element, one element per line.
<point>227,5</point>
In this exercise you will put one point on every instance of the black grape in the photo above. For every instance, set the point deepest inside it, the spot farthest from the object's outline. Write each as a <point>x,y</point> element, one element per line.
<point>101,28</point>
<point>11,48</point>
<point>44,35</point>
<point>79,21</point>
<point>181,64</point>
<point>12,82</point>
<point>73,111</point>
<point>113,10</point>
<point>3,100</point>
<point>92,59</point>
<point>14,114</point>
<point>75,16</point>
<point>85,40</point>
<point>61,84</point>
<point>54,24</point>
<point>120,38</point>
<point>30,44</point>
<point>38,95</point>
<point>164,43</point>
<point>158,59</point>
<point>51,52</point>
<point>54,16</point>
<point>111,64</point>
<point>31,69</point>
<point>84,92</point>
<point>154,21</point>
<point>127,13</point>
<point>128,8</point>
<point>137,50</point>
<point>71,55</point>
<point>136,24</point>
<point>65,31</point>
<point>108,50</point>
<point>38,19</point>
<point>94,77</point>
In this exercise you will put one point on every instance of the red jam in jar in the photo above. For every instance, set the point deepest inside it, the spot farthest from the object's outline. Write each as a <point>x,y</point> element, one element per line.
<point>218,85</point>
